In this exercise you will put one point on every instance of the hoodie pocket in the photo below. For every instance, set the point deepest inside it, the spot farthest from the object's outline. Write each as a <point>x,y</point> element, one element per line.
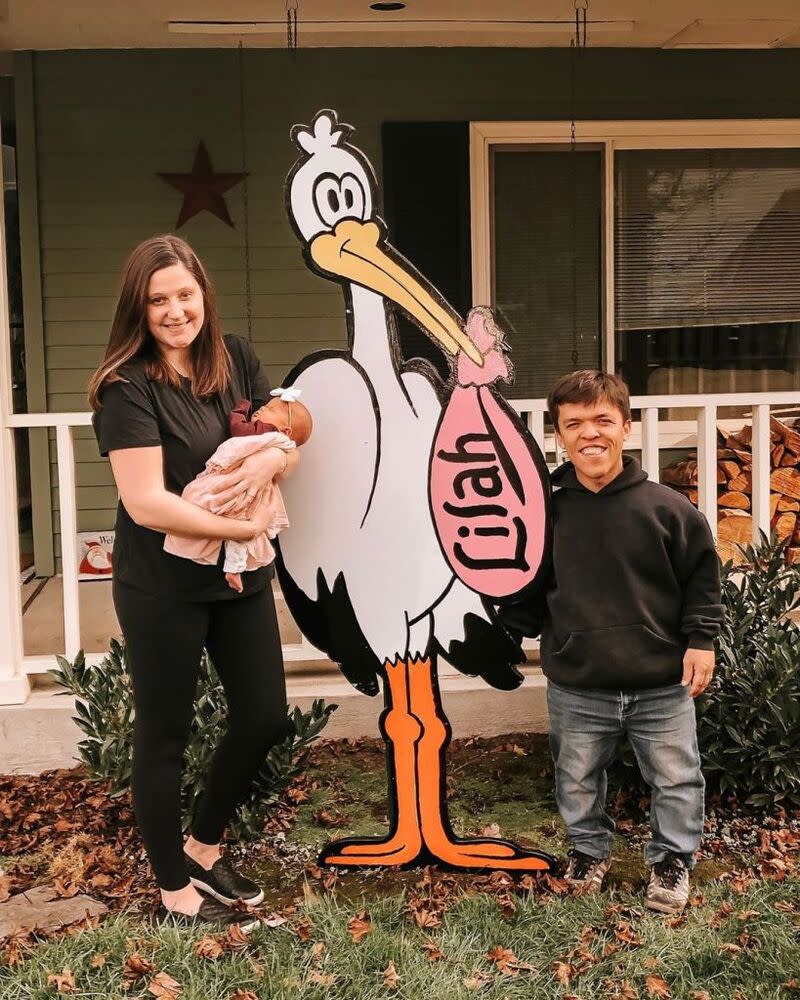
<point>618,657</point>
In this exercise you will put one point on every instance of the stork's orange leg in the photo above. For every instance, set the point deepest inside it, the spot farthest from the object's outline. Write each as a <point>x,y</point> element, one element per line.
<point>401,731</point>
<point>483,853</point>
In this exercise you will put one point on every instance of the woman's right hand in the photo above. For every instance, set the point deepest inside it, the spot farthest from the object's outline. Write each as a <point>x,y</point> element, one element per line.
<point>259,520</point>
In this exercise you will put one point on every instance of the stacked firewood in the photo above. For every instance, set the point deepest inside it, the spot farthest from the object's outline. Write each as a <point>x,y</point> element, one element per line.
<point>735,487</point>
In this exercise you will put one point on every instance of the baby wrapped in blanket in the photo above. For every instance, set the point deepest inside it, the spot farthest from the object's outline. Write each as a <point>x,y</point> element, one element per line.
<point>282,423</point>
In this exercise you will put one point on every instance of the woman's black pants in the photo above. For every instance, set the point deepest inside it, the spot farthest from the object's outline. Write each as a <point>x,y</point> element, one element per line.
<point>164,641</point>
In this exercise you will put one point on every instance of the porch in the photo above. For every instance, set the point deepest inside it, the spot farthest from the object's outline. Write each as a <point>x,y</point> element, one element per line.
<point>46,617</point>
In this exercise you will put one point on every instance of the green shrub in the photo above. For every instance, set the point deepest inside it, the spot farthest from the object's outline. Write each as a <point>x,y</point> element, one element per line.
<point>104,703</point>
<point>749,721</point>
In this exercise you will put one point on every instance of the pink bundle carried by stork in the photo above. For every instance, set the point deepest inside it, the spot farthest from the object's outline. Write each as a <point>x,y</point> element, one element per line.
<point>486,488</point>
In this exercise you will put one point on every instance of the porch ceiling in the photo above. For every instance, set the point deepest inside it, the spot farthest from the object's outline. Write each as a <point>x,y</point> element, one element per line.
<point>53,24</point>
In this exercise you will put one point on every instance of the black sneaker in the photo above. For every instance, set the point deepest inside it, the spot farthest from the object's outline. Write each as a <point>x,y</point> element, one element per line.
<point>210,912</point>
<point>585,873</point>
<point>222,882</point>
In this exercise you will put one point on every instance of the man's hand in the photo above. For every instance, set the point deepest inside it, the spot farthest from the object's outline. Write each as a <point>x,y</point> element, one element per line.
<point>698,669</point>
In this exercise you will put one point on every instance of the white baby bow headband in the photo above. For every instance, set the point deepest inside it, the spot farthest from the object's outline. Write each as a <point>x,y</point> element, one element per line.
<point>287,395</point>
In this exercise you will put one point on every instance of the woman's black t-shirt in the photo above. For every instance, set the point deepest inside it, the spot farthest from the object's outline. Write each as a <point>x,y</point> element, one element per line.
<point>140,413</point>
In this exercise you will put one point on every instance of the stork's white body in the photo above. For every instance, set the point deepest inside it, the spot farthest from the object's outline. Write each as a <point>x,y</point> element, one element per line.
<point>358,505</point>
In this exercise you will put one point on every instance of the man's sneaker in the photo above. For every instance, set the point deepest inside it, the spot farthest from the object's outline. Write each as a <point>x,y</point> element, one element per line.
<point>222,882</point>
<point>668,889</point>
<point>584,873</point>
<point>211,912</point>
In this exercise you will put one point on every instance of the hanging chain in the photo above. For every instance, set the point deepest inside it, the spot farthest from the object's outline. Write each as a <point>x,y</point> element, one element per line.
<point>291,25</point>
<point>576,42</point>
<point>243,140</point>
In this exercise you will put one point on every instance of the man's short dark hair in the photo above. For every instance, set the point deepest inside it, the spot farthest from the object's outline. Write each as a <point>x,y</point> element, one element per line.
<point>588,386</point>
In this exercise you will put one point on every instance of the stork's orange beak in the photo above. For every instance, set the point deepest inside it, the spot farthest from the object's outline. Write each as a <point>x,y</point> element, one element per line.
<point>351,251</point>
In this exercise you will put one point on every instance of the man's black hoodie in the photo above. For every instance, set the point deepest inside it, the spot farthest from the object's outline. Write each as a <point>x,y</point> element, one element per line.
<point>635,583</point>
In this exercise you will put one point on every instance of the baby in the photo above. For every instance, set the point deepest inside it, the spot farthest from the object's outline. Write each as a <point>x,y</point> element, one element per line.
<point>281,423</point>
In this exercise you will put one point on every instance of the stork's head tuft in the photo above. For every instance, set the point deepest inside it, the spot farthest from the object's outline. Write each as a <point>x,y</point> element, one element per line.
<point>331,181</point>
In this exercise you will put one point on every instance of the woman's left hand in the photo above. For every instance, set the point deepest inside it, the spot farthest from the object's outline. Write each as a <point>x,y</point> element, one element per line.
<point>235,491</point>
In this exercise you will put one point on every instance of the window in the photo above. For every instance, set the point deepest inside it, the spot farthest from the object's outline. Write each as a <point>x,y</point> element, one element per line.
<point>707,269</point>
<point>685,238</point>
<point>547,233</point>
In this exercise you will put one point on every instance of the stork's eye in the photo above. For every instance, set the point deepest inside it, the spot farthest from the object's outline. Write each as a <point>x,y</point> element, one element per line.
<point>337,198</point>
<point>353,194</point>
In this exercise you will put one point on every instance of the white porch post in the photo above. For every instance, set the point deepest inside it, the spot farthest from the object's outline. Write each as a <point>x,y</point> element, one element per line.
<point>14,686</point>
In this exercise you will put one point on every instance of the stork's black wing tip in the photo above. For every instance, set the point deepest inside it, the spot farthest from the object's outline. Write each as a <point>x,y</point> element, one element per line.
<point>487,651</point>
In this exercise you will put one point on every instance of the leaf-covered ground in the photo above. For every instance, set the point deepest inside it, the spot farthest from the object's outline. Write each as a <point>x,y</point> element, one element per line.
<point>415,934</point>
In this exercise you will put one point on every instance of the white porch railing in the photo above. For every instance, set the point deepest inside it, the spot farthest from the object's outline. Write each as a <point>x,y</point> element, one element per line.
<point>649,436</point>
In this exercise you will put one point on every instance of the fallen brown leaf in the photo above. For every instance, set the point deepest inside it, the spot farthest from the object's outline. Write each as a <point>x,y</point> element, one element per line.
<point>622,990</point>
<point>658,987</point>
<point>391,980</point>
<point>432,950</point>
<point>135,967</point>
<point>66,891</point>
<point>626,934</point>
<point>507,962</point>
<point>327,818</point>
<point>14,948</point>
<point>492,830</point>
<point>303,930</point>
<point>209,946</point>
<point>63,981</point>
<point>99,960</point>
<point>164,987</point>
<point>359,926</point>
<point>563,972</point>
<point>426,918</point>
<point>479,980</point>
<point>235,939</point>
<point>320,978</point>
<point>699,995</point>
<point>503,958</point>
<point>243,995</point>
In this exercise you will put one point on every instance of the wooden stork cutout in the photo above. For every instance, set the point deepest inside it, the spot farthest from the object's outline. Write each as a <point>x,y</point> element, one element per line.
<point>420,505</point>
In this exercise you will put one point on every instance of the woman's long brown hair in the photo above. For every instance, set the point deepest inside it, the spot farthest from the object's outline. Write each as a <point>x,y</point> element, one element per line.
<point>130,334</point>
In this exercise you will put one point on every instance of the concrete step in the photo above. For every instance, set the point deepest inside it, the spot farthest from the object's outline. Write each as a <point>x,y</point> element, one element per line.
<point>40,734</point>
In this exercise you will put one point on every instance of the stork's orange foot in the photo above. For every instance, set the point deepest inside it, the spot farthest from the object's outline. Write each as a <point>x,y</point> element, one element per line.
<point>394,851</point>
<point>496,855</point>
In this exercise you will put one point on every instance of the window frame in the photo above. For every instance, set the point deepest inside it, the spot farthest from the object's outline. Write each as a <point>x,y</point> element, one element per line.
<point>611,136</point>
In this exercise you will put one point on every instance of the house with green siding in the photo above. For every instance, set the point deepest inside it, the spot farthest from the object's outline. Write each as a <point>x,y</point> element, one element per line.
<point>611,201</point>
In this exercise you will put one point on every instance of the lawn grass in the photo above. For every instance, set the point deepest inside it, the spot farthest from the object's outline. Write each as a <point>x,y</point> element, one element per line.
<point>279,963</point>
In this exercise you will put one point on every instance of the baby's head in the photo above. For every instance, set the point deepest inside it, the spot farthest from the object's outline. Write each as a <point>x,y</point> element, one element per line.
<point>292,418</point>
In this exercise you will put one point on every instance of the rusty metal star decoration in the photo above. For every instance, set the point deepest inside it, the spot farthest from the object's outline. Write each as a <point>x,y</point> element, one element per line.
<point>203,189</point>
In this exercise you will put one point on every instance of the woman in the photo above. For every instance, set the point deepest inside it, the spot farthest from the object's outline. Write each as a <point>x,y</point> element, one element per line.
<point>161,400</point>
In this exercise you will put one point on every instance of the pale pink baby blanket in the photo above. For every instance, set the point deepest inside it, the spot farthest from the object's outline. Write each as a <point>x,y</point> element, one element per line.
<point>239,556</point>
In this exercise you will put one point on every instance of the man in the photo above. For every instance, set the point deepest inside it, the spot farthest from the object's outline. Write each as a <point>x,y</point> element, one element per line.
<point>627,625</point>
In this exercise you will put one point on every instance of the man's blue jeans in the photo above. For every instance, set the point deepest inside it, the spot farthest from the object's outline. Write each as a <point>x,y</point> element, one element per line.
<point>585,728</point>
